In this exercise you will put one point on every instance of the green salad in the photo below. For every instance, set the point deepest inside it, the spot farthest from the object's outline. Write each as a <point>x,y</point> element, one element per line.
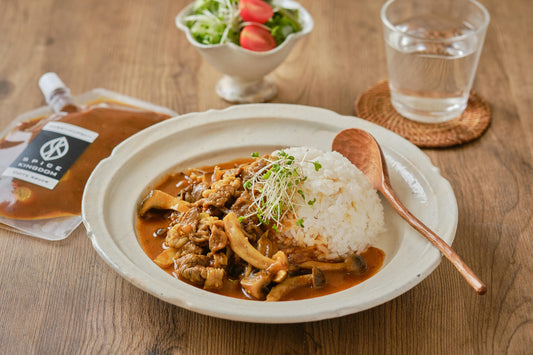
<point>256,25</point>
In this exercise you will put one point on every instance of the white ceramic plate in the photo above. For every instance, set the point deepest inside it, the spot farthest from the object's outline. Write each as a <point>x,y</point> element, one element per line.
<point>119,182</point>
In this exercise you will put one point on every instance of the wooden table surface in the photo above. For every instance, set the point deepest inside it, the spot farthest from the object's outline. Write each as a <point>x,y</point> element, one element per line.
<point>61,297</point>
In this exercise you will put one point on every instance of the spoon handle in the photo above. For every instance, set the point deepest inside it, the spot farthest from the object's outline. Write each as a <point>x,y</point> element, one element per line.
<point>445,249</point>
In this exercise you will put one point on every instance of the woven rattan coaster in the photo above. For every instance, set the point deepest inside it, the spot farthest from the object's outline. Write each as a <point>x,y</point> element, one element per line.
<point>375,105</point>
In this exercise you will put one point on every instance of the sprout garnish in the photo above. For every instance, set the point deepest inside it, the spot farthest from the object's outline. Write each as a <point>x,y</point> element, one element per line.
<point>275,186</point>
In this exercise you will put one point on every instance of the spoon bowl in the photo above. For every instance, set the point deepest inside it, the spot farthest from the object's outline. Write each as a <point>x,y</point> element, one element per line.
<point>365,153</point>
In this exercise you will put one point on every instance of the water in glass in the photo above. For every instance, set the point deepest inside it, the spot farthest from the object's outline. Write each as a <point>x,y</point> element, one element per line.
<point>430,76</point>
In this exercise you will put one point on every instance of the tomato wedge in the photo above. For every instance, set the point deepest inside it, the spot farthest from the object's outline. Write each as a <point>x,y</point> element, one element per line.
<point>255,11</point>
<point>256,38</point>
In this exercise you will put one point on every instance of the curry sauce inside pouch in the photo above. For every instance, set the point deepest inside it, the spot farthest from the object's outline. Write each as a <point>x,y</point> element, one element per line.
<point>36,150</point>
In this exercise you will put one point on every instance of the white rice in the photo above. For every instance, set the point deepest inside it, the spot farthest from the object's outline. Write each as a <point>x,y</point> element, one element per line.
<point>347,215</point>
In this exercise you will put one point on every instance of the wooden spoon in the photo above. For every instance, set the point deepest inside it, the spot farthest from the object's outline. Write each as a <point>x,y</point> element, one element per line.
<point>364,152</point>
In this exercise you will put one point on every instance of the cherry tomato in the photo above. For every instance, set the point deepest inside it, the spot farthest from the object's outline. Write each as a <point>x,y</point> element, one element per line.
<point>255,11</point>
<point>256,38</point>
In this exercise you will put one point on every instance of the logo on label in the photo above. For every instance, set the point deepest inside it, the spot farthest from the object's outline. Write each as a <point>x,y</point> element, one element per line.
<point>50,154</point>
<point>54,149</point>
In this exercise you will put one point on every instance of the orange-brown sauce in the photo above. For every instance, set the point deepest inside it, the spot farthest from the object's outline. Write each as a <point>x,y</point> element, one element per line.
<point>23,200</point>
<point>336,281</point>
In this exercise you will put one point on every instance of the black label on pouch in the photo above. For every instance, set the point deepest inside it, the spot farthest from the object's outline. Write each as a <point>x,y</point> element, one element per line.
<point>50,154</point>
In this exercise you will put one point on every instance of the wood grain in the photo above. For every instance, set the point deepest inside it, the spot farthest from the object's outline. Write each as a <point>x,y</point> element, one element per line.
<point>60,297</point>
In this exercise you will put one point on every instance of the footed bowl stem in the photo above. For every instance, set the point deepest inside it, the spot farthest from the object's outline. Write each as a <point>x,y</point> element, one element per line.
<point>238,90</point>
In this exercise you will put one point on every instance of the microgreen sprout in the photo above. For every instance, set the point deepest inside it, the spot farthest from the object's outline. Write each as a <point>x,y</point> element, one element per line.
<point>275,186</point>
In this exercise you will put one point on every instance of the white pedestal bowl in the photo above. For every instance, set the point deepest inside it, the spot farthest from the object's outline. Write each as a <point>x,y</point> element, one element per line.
<point>245,71</point>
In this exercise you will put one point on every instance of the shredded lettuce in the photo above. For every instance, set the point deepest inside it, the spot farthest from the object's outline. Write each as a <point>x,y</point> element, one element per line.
<point>207,31</point>
<point>283,23</point>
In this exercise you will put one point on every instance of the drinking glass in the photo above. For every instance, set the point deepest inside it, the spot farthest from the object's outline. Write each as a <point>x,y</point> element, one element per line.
<point>432,50</point>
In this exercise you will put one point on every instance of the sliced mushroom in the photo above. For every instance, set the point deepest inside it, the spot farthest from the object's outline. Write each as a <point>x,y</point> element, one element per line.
<point>315,279</point>
<point>280,266</point>
<point>356,264</point>
<point>353,263</point>
<point>255,284</point>
<point>242,247</point>
<point>160,200</point>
